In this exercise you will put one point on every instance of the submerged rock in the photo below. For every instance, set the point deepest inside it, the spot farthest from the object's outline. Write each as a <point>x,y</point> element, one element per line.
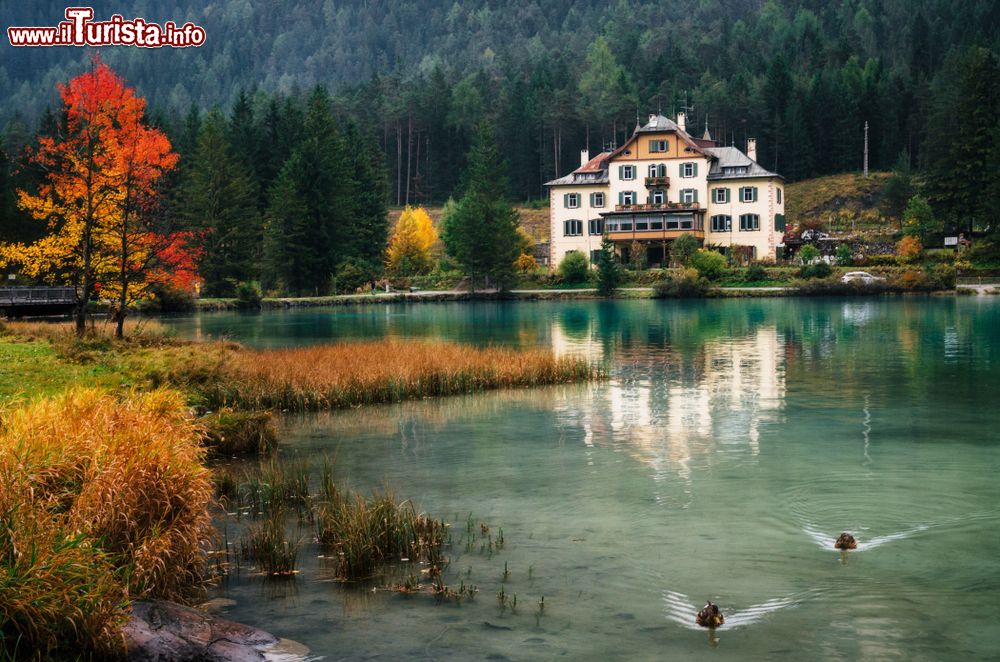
<point>163,631</point>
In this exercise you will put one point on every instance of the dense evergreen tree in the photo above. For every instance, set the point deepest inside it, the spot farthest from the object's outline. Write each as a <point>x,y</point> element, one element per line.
<point>219,203</point>
<point>292,263</point>
<point>609,272</point>
<point>369,231</point>
<point>962,131</point>
<point>481,231</point>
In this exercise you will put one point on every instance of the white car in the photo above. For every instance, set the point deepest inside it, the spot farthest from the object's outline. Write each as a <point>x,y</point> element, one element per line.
<point>860,277</point>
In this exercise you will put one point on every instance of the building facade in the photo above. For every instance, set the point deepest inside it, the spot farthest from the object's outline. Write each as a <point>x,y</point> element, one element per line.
<point>663,183</point>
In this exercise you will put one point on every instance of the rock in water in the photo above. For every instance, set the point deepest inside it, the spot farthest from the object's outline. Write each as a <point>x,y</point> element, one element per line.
<point>161,631</point>
<point>710,616</point>
<point>846,541</point>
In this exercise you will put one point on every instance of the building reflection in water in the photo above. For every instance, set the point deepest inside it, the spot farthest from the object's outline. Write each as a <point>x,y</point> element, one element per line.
<point>667,404</point>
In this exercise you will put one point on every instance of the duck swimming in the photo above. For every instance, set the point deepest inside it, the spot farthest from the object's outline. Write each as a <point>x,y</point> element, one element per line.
<point>710,616</point>
<point>846,541</point>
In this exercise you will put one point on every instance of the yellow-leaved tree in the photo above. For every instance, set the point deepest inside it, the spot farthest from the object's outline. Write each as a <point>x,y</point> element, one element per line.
<point>412,240</point>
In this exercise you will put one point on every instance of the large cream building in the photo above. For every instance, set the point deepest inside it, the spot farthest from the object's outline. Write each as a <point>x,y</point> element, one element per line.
<point>663,183</point>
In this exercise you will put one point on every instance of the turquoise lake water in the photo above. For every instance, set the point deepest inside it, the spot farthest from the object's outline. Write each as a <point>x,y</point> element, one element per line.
<point>732,443</point>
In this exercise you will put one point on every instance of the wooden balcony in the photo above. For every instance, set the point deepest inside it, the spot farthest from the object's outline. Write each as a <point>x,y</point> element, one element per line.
<point>657,182</point>
<point>629,236</point>
<point>671,206</point>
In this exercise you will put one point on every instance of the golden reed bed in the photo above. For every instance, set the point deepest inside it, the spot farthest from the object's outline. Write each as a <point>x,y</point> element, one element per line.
<point>358,373</point>
<point>103,499</point>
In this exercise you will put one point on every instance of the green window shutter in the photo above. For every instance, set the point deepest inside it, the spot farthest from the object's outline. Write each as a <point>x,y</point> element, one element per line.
<point>591,199</point>
<point>694,194</point>
<point>566,200</point>
<point>696,169</point>
<point>725,195</point>
<point>755,194</point>
<point>621,197</point>
<point>779,221</point>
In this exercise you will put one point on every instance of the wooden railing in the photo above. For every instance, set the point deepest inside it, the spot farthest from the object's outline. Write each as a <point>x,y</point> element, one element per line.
<point>33,296</point>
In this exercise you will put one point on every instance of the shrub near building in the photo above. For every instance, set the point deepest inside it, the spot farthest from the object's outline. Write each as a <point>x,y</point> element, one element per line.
<point>708,263</point>
<point>574,268</point>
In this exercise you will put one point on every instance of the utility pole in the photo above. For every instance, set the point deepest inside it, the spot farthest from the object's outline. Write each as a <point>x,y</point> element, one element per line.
<point>866,149</point>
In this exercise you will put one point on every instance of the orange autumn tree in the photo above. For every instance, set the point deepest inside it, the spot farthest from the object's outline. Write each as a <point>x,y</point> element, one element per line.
<point>100,185</point>
<point>413,238</point>
<point>143,156</point>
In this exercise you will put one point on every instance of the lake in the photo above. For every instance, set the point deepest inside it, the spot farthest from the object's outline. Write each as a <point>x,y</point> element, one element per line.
<point>733,441</point>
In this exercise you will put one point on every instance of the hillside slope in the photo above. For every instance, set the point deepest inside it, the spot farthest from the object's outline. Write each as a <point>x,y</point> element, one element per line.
<point>842,203</point>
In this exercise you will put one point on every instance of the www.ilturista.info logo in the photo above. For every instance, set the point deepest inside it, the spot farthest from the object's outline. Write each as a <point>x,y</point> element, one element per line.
<point>79,29</point>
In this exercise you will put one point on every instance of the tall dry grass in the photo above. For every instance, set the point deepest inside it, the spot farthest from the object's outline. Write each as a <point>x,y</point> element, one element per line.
<point>104,329</point>
<point>104,499</point>
<point>359,373</point>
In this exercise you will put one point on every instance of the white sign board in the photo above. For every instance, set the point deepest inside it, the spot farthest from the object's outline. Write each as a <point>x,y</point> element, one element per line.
<point>951,241</point>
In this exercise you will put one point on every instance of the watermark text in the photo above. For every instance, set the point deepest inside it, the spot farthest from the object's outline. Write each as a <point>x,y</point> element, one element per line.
<point>80,29</point>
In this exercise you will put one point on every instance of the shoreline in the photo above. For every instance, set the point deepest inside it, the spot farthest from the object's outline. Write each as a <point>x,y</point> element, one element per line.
<point>590,293</point>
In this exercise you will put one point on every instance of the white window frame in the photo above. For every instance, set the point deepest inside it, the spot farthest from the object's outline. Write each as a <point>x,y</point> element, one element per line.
<point>687,169</point>
<point>755,218</point>
<point>726,223</point>
<point>628,197</point>
<point>746,194</point>
<point>568,227</point>
<point>719,195</point>
<point>572,201</point>
<point>658,145</point>
<point>778,194</point>
<point>595,223</point>
<point>688,195</point>
<point>628,173</point>
<point>598,200</point>
<point>657,194</point>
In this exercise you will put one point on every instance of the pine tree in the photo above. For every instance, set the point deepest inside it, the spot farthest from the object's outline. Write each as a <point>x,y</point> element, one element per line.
<point>327,184</point>
<point>370,227</point>
<point>609,272</point>
<point>481,232</point>
<point>220,204</point>
<point>291,261</point>
<point>960,134</point>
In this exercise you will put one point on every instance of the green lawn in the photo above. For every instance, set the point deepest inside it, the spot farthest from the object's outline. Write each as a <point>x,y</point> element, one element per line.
<point>32,368</point>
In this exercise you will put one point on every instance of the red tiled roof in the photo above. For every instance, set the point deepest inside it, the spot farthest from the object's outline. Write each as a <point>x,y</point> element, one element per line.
<point>594,164</point>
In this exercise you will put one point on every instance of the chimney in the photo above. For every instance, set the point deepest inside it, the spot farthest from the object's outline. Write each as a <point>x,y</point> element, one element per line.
<point>680,121</point>
<point>584,157</point>
<point>752,148</point>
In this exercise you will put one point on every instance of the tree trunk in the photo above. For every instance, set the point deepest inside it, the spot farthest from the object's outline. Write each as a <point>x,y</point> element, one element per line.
<point>416,172</point>
<point>409,153</point>
<point>399,162</point>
